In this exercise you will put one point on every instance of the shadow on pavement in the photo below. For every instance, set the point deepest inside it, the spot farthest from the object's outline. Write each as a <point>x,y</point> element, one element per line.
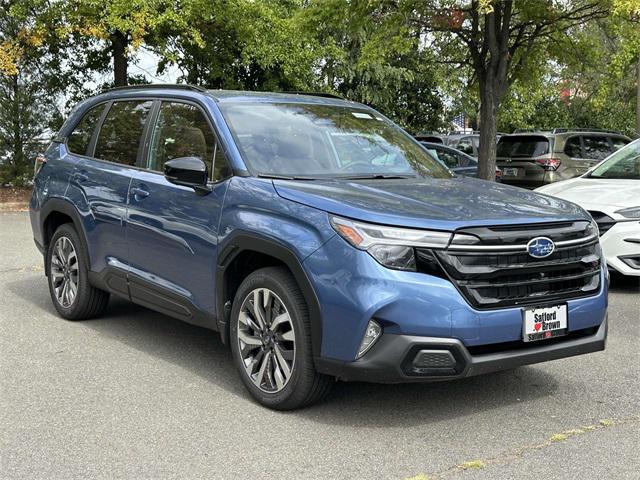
<point>201,352</point>
<point>624,284</point>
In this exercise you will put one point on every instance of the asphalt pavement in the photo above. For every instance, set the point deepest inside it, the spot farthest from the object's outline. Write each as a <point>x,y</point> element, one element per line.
<point>137,395</point>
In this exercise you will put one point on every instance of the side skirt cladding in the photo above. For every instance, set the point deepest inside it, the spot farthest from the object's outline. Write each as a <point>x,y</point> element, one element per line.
<point>242,243</point>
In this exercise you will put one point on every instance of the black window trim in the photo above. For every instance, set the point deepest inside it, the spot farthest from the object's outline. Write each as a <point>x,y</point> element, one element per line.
<point>153,117</point>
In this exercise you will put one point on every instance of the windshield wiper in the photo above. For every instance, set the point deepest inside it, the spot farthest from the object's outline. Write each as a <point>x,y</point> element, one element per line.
<point>283,177</point>
<point>376,176</point>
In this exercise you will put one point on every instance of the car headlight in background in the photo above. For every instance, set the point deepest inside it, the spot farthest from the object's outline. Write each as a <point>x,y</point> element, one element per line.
<point>392,247</point>
<point>633,213</point>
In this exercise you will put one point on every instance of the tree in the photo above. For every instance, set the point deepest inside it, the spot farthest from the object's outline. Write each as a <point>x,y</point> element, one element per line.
<point>365,53</point>
<point>495,40</point>
<point>31,78</point>
<point>118,28</point>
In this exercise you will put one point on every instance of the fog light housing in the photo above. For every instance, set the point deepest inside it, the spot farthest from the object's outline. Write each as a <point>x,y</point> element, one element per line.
<point>371,335</point>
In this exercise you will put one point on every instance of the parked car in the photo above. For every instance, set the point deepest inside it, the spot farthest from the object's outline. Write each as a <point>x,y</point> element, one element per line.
<point>458,162</point>
<point>533,159</point>
<point>317,237</point>
<point>611,194</point>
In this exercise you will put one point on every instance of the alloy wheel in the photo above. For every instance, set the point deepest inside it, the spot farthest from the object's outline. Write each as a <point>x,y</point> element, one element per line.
<point>266,340</point>
<point>64,272</point>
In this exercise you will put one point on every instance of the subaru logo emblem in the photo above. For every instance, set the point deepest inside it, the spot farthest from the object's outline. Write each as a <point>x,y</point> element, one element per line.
<point>540,247</point>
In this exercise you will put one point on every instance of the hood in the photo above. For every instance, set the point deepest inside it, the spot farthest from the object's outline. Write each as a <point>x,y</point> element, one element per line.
<point>429,203</point>
<point>596,193</point>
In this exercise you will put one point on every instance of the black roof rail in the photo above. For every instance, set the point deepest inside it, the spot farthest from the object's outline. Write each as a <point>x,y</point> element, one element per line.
<point>178,86</point>
<point>595,130</point>
<point>316,94</point>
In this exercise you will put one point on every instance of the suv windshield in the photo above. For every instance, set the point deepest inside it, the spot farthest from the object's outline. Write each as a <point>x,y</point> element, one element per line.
<point>322,141</point>
<point>625,163</point>
<point>522,146</point>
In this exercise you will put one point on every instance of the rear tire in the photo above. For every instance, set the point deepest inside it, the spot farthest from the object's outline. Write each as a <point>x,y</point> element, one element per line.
<point>271,345</point>
<point>67,261</point>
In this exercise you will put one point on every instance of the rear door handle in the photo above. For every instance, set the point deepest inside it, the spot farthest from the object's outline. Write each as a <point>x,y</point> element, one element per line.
<point>139,193</point>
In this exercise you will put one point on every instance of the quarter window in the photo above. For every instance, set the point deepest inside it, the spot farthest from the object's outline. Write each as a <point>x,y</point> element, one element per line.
<point>121,131</point>
<point>573,148</point>
<point>182,130</point>
<point>78,141</point>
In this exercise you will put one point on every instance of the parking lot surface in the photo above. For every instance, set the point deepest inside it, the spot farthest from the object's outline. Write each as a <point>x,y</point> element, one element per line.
<point>137,395</point>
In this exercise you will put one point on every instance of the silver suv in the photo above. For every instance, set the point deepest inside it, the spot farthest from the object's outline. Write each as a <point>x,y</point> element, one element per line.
<point>533,159</point>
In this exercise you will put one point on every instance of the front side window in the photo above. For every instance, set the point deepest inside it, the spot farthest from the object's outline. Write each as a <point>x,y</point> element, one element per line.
<point>121,131</point>
<point>79,139</point>
<point>324,141</point>
<point>596,148</point>
<point>618,142</point>
<point>624,164</point>
<point>181,131</point>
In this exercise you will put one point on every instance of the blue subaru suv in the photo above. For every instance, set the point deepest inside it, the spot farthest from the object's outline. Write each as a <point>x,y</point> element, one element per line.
<point>318,238</point>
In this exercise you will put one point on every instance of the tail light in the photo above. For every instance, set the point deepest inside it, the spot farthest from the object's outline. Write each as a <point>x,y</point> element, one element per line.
<point>40,161</point>
<point>549,163</point>
<point>498,174</point>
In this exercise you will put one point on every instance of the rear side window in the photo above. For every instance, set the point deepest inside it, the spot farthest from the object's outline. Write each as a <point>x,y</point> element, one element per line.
<point>78,141</point>
<point>119,137</point>
<point>522,146</point>
<point>596,148</point>
<point>573,148</point>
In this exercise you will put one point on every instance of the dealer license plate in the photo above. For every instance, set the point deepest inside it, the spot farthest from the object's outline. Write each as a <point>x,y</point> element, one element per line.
<point>544,322</point>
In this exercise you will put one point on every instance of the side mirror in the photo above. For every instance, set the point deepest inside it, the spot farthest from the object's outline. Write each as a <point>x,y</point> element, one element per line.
<point>188,172</point>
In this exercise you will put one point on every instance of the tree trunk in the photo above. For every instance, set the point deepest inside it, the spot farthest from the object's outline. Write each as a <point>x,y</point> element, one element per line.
<point>119,44</point>
<point>488,130</point>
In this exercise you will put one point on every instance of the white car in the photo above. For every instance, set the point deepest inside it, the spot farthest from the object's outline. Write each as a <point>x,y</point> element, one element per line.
<point>611,193</point>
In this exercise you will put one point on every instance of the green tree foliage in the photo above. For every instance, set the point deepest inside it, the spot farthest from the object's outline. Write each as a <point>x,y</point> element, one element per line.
<point>32,76</point>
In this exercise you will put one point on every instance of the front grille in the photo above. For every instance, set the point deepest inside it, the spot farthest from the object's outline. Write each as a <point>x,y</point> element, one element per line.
<point>491,267</point>
<point>605,222</point>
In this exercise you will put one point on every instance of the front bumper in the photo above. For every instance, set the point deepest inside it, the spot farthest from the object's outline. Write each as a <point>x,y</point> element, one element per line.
<point>392,358</point>
<point>621,247</point>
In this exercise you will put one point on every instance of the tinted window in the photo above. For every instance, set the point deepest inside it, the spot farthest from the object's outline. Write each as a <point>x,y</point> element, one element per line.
<point>573,148</point>
<point>465,145</point>
<point>449,159</point>
<point>596,148</point>
<point>121,131</point>
<point>78,140</point>
<point>522,146</point>
<point>325,141</point>
<point>618,142</point>
<point>181,131</point>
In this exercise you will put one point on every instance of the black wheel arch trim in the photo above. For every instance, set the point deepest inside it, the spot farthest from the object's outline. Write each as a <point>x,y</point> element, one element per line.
<point>242,241</point>
<point>60,205</point>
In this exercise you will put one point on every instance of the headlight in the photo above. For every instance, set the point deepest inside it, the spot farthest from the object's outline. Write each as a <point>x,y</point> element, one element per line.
<point>390,246</point>
<point>633,213</point>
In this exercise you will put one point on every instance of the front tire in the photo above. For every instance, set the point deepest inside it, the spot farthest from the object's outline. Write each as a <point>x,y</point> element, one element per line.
<point>270,336</point>
<point>67,260</point>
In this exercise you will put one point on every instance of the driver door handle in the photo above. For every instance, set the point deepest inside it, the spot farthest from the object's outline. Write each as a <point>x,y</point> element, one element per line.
<point>139,193</point>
